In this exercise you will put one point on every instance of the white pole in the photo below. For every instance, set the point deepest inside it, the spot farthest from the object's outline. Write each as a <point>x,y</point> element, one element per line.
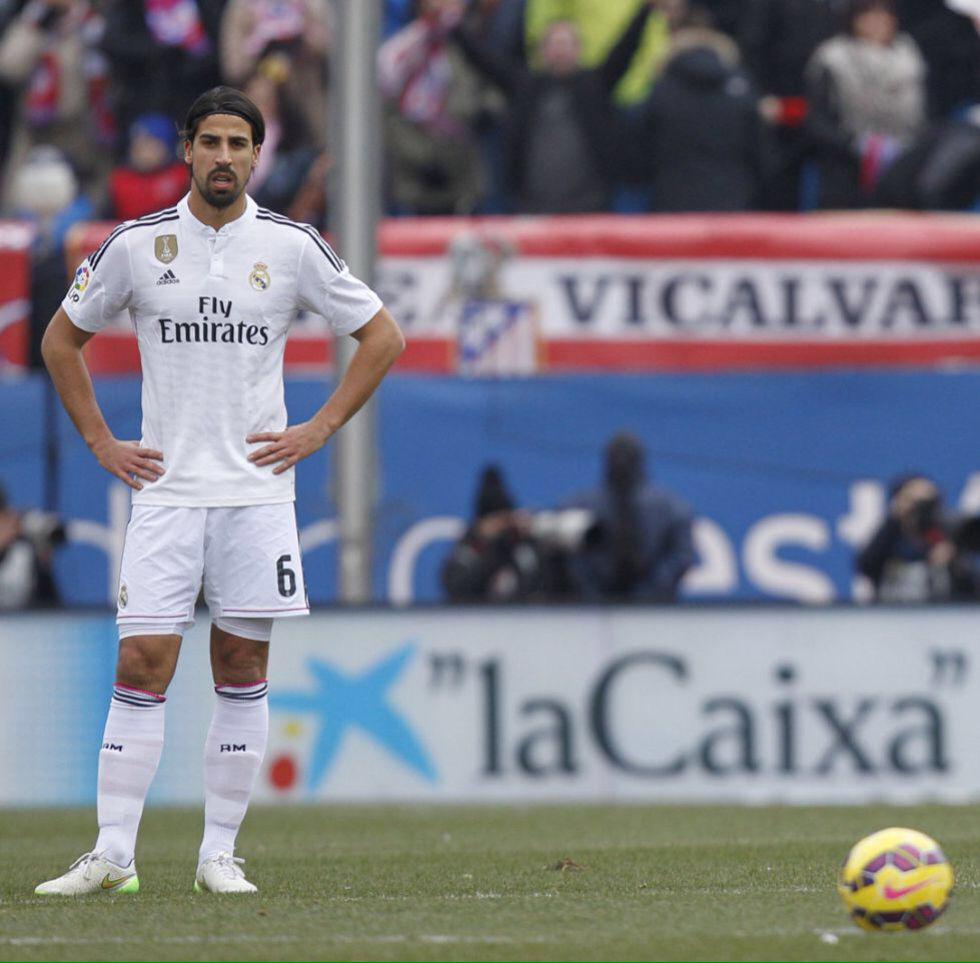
<point>354,211</point>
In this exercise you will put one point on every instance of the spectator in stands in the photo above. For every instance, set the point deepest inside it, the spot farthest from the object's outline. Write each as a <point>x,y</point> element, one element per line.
<point>289,158</point>
<point>27,544</point>
<point>560,156</point>
<point>940,170</point>
<point>497,559</point>
<point>599,25</point>
<point>642,541</point>
<point>162,54</point>
<point>698,140</point>
<point>300,29</point>
<point>867,101</point>
<point>9,9</point>
<point>154,176</point>
<point>49,51</point>
<point>44,190</point>
<point>947,36</point>
<point>913,556</point>
<point>777,38</point>
<point>435,101</point>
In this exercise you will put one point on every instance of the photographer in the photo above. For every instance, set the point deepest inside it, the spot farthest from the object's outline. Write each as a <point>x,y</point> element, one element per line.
<point>640,541</point>
<point>497,559</point>
<point>914,556</point>
<point>27,541</point>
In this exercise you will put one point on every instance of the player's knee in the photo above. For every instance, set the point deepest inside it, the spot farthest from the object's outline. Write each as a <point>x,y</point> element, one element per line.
<point>239,669</point>
<point>240,661</point>
<point>241,664</point>
<point>240,650</point>
<point>144,665</point>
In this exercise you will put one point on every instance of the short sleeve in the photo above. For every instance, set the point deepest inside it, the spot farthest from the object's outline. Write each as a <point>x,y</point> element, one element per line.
<point>102,286</point>
<point>326,287</point>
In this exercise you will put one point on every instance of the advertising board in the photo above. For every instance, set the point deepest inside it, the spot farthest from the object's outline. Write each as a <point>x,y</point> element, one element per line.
<point>839,705</point>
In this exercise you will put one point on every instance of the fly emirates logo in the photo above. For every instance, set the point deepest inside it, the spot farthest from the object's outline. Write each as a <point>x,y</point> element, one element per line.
<point>214,327</point>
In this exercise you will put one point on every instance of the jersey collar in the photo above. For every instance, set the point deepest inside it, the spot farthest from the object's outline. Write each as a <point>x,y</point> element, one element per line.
<point>192,223</point>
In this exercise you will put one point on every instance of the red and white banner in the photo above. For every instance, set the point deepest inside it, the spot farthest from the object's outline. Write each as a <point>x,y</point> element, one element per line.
<point>15,294</point>
<point>690,292</point>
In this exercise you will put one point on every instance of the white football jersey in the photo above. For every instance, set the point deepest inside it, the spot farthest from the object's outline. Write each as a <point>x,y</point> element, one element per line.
<point>212,310</point>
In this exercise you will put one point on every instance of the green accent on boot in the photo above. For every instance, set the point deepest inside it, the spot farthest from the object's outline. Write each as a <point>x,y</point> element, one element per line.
<point>132,885</point>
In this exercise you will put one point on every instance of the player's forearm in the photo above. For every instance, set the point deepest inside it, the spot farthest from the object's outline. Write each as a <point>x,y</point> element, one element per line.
<point>71,378</point>
<point>374,356</point>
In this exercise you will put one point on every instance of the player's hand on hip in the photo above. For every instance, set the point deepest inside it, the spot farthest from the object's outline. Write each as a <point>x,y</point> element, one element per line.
<point>285,448</point>
<point>128,461</point>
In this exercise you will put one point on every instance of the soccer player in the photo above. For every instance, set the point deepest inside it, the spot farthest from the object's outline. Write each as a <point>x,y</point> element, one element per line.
<point>211,286</point>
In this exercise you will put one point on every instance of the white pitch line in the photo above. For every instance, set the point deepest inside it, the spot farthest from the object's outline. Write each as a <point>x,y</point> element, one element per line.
<point>437,938</point>
<point>938,929</point>
<point>657,891</point>
<point>429,938</point>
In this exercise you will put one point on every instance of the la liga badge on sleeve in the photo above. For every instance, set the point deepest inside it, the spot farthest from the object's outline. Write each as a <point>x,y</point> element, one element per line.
<point>82,276</point>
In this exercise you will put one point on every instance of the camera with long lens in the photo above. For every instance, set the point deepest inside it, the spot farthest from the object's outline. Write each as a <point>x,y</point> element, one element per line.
<point>568,529</point>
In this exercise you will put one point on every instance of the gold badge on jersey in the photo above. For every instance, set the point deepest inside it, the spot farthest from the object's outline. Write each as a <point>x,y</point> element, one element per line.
<point>259,278</point>
<point>165,247</point>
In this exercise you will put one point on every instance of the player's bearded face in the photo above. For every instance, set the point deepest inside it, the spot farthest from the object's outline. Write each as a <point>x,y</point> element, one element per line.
<point>222,159</point>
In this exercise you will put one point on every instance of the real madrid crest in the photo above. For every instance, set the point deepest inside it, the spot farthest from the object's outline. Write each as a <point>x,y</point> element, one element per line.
<point>123,596</point>
<point>259,278</point>
<point>165,247</point>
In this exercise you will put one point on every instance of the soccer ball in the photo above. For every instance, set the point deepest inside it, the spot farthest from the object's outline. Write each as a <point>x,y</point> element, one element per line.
<point>895,879</point>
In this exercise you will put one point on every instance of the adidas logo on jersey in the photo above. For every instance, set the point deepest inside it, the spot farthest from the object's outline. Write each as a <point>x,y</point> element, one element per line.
<point>168,277</point>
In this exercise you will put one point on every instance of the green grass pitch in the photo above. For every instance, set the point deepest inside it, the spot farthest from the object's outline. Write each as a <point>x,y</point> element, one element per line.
<point>481,883</point>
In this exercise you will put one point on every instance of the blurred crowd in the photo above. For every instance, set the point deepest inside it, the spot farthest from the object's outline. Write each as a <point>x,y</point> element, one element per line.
<point>533,106</point>
<point>498,106</point>
<point>576,106</point>
<point>92,95</point>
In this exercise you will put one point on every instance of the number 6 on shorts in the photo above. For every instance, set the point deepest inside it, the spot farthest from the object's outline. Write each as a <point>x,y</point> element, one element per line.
<point>286,576</point>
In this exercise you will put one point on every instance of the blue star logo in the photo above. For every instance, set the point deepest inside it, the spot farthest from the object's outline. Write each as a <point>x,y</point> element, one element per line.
<point>341,701</point>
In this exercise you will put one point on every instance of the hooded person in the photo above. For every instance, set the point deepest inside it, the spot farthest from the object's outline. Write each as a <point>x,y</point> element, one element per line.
<point>645,533</point>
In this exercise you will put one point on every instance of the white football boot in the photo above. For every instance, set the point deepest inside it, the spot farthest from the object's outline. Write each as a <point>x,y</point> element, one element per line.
<point>92,873</point>
<point>222,873</point>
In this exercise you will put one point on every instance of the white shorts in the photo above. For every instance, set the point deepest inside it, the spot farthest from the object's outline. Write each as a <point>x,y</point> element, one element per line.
<point>247,560</point>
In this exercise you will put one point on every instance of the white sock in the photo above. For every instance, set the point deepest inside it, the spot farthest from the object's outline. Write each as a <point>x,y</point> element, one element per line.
<point>232,756</point>
<point>128,760</point>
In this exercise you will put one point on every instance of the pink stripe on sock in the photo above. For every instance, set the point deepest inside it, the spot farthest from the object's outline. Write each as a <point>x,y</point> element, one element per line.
<point>129,688</point>
<point>241,685</point>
